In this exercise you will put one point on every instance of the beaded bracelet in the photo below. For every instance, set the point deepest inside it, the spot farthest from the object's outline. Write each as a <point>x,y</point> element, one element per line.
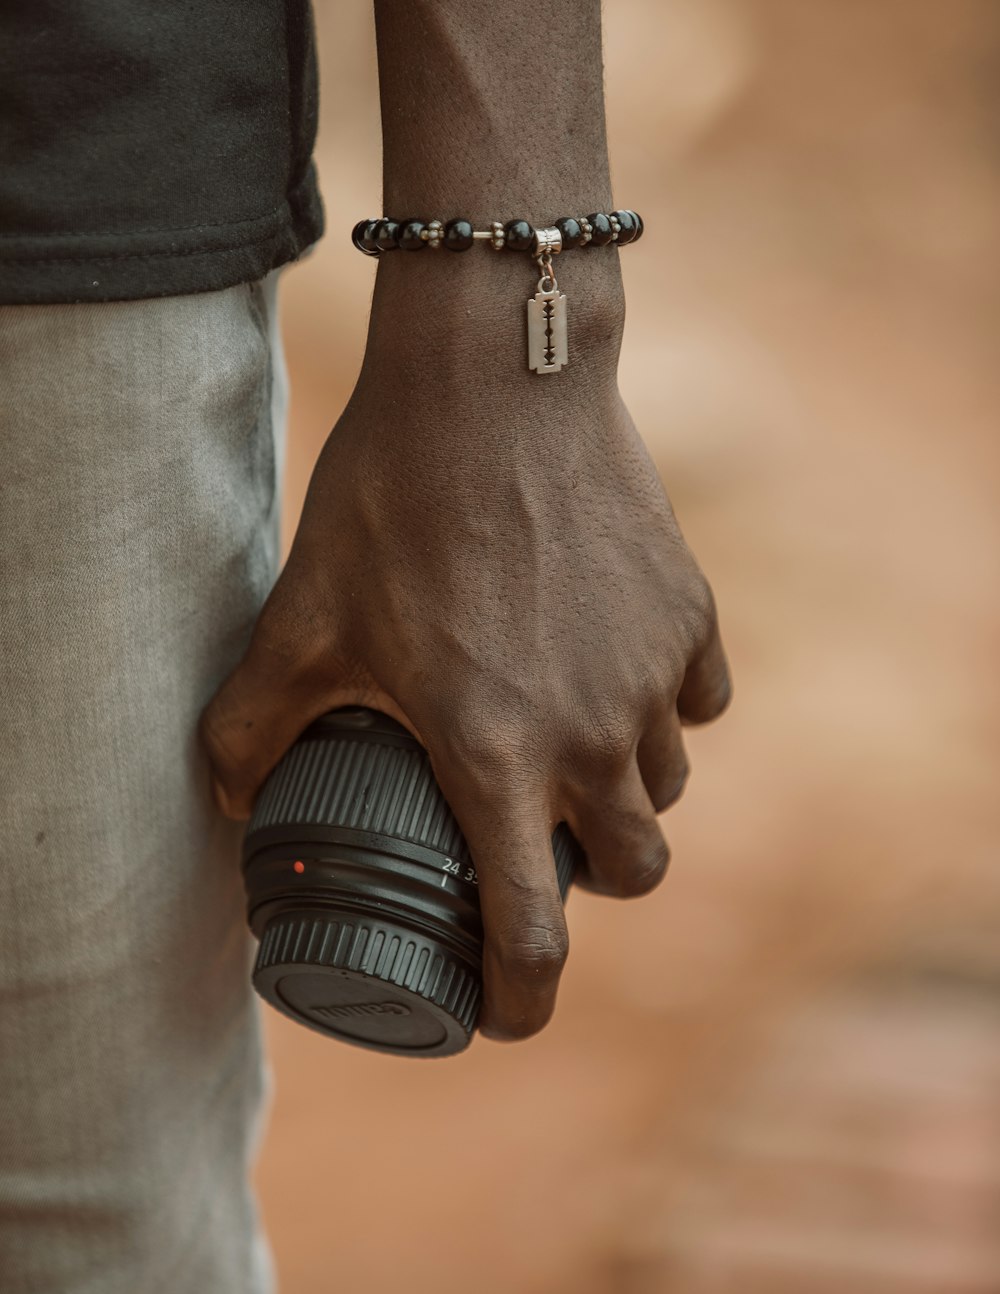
<point>547,338</point>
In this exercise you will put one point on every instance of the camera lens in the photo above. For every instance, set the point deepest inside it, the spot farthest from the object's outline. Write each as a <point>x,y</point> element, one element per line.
<point>362,891</point>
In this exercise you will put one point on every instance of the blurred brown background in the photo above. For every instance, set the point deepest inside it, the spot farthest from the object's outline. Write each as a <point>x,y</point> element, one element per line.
<point>781,1072</point>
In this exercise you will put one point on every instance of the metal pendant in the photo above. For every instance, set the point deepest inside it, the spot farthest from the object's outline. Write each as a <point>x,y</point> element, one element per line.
<point>547,346</point>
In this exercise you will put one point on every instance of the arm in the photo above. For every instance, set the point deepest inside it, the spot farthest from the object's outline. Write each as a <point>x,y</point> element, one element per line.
<point>485,554</point>
<point>486,115</point>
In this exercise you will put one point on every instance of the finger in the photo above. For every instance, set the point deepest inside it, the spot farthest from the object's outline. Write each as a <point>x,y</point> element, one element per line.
<point>617,827</point>
<point>663,761</point>
<point>526,941</point>
<point>707,687</point>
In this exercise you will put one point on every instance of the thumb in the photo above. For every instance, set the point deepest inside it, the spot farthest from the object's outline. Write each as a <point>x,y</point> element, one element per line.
<point>283,683</point>
<point>291,674</point>
<point>252,720</point>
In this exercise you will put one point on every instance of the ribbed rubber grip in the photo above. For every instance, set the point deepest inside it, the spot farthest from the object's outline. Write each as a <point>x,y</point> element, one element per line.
<point>369,982</point>
<point>373,949</point>
<point>364,785</point>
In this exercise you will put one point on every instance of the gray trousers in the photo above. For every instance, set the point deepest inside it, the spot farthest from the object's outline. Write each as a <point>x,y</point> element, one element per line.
<point>139,460</point>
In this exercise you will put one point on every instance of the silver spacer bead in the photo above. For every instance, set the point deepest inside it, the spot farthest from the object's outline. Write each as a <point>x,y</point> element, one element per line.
<point>547,242</point>
<point>496,229</point>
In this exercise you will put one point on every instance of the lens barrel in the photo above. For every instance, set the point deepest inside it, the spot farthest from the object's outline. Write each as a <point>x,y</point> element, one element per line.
<point>362,891</point>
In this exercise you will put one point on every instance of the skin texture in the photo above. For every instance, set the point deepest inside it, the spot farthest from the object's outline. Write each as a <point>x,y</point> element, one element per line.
<point>485,554</point>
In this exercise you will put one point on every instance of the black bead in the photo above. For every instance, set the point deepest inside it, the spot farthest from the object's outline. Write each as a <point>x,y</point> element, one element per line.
<point>458,235</point>
<point>519,236</point>
<point>368,239</point>
<point>385,233</point>
<point>601,232</point>
<point>362,237</point>
<point>638,226</point>
<point>408,236</point>
<point>626,227</point>
<point>571,232</point>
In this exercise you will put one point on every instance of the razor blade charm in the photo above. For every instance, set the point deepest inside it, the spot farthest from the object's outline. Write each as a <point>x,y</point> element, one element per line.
<point>547,344</point>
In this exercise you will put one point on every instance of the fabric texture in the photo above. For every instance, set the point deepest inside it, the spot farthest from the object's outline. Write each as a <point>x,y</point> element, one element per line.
<point>138,539</point>
<point>153,149</point>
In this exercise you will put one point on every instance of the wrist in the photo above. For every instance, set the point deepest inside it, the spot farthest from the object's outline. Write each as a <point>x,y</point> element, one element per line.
<point>441,317</point>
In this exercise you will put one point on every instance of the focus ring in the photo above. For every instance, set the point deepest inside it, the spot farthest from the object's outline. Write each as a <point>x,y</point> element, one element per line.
<point>407,961</point>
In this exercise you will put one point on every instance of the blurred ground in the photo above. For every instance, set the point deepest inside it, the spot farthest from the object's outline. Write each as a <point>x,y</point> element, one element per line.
<point>780,1073</point>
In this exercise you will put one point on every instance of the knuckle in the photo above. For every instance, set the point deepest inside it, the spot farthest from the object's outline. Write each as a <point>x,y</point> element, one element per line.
<point>608,741</point>
<point>671,792</point>
<point>662,675</point>
<point>697,612</point>
<point>708,700</point>
<point>487,754</point>
<point>702,600</point>
<point>721,697</point>
<point>645,871</point>
<point>535,956</point>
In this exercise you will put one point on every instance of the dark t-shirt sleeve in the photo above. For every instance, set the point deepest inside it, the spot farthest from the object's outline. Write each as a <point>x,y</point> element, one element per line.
<point>148,149</point>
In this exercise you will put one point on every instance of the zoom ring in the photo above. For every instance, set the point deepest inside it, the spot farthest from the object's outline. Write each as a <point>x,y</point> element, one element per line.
<point>369,786</point>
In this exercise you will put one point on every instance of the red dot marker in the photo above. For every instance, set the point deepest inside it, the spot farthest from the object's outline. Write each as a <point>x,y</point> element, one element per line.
<point>299,866</point>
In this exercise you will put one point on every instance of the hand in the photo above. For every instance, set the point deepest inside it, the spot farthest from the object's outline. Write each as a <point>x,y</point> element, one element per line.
<point>492,561</point>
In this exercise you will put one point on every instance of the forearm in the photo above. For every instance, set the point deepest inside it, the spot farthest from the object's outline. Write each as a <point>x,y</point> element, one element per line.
<point>487,110</point>
<point>488,115</point>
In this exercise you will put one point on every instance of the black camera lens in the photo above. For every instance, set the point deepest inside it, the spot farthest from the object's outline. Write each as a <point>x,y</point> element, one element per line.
<point>362,891</point>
